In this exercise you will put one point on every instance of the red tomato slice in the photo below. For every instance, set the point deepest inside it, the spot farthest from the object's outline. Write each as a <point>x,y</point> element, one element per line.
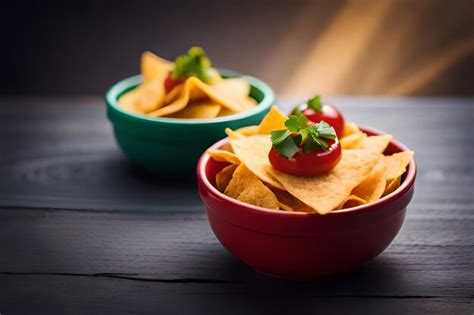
<point>171,83</point>
<point>330,114</point>
<point>308,164</point>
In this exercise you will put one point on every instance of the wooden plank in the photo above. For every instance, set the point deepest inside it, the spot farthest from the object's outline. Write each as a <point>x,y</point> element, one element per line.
<point>102,295</point>
<point>431,256</point>
<point>60,153</point>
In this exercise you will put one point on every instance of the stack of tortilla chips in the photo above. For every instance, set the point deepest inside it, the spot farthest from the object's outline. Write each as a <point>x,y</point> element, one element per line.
<point>191,99</point>
<point>363,175</point>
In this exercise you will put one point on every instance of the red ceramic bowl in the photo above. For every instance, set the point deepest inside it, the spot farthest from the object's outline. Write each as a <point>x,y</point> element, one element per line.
<point>303,246</point>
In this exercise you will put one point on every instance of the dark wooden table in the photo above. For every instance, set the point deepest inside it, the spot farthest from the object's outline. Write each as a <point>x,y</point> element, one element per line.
<point>84,231</point>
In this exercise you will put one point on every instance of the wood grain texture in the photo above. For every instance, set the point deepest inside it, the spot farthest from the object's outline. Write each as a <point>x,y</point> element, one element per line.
<point>84,231</point>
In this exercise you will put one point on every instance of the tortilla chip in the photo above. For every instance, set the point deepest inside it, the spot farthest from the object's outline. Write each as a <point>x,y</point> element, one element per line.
<point>396,164</point>
<point>224,156</point>
<point>274,120</point>
<point>237,89</point>
<point>375,143</point>
<point>248,131</point>
<point>350,129</point>
<point>392,185</point>
<point>352,141</point>
<point>326,192</point>
<point>129,100</point>
<point>192,87</point>
<point>373,187</point>
<point>232,134</point>
<point>154,68</point>
<point>253,152</point>
<point>291,201</point>
<point>285,207</point>
<point>246,187</point>
<point>151,96</point>
<point>199,109</point>
<point>224,177</point>
<point>353,201</point>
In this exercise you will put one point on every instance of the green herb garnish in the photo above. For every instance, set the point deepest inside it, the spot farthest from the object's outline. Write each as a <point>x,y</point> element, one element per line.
<point>194,63</point>
<point>315,104</point>
<point>287,142</point>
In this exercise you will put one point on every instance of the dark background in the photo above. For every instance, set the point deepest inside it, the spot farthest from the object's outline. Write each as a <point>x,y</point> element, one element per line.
<point>331,47</point>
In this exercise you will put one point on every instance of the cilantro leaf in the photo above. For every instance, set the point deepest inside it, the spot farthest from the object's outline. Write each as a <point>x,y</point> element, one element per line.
<point>278,136</point>
<point>315,104</point>
<point>287,148</point>
<point>292,123</point>
<point>194,63</point>
<point>325,130</point>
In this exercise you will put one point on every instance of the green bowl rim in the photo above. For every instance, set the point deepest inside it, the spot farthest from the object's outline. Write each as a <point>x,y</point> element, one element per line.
<point>112,95</point>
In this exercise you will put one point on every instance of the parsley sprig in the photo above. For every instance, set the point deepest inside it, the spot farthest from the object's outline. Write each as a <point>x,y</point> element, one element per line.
<point>315,104</point>
<point>194,63</point>
<point>298,134</point>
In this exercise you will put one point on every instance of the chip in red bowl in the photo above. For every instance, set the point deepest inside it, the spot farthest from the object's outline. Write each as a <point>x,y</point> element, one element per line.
<point>304,246</point>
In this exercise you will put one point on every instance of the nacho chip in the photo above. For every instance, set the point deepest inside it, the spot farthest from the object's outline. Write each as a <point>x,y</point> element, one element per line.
<point>151,96</point>
<point>350,129</point>
<point>373,187</point>
<point>199,109</point>
<point>154,68</point>
<point>233,135</point>
<point>253,152</point>
<point>396,164</point>
<point>290,201</point>
<point>129,100</point>
<point>285,207</point>
<point>224,177</point>
<point>192,87</point>
<point>274,120</point>
<point>352,141</point>
<point>224,156</point>
<point>353,201</point>
<point>246,187</point>
<point>392,185</point>
<point>375,143</point>
<point>237,89</point>
<point>248,131</point>
<point>325,193</point>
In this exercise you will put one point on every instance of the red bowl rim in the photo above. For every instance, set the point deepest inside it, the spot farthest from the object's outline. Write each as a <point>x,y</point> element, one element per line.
<point>407,183</point>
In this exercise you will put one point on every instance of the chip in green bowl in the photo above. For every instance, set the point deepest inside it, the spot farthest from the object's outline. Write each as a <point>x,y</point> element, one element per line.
<point>172,145</point>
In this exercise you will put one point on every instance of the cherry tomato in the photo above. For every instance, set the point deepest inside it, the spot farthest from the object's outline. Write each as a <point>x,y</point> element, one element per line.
<point>329,114</point>
<point>308,164</point>
<point>170,83</point>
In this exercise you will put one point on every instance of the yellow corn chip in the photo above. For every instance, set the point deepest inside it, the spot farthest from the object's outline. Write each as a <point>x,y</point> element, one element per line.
<point>246,187</point>
<point>154,68</point>
<point>253,152</point>
<point>194,86</point>
<point>232,134</point>
<point>373,187</point>
<point>224,176</point>
<point>199,109</point>
<point>285,207</point>
<point>237,89</point>
<point>248,131</point>
<point>129,100</point>
<point>151,96</point>
<point>290,201</point>
<point>352,141</point>
<point>224,156</point>
<point>274,120</point>
<point>392,185</point>
<point>353,201</point>
<point>375,143</point>
<point>350,129</point>
<point>325,193</point>
<point>396,164</point>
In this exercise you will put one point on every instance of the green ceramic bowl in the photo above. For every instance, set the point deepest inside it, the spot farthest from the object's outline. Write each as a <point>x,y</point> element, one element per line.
<point>172,145</point>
